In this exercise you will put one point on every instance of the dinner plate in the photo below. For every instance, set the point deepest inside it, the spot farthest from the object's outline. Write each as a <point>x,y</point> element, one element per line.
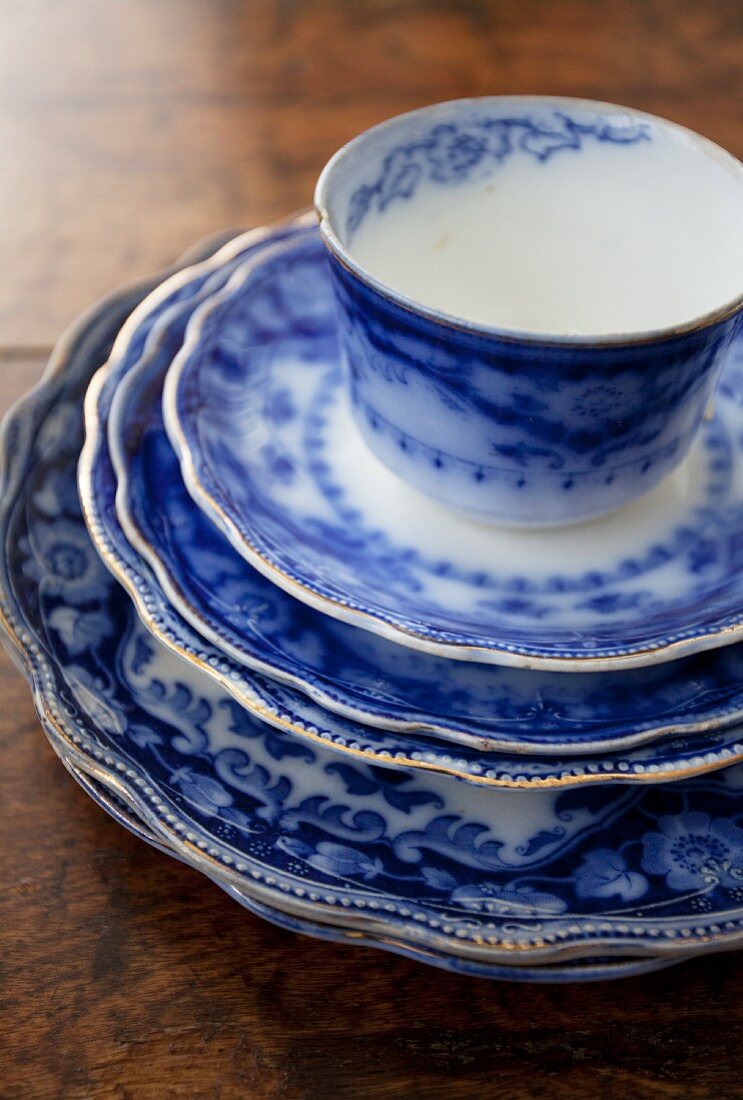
<point>350,671</point>
<point>256,407</point>
<point>490,876</point>
<point>104,790</point>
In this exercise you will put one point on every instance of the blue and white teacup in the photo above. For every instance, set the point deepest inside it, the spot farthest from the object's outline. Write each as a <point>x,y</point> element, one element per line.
<point>536,296</point>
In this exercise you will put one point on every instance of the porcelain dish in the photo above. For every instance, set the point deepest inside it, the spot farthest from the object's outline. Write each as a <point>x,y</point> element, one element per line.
<point>484,876</point>
<point>283,707</point>
<point>350,671</point>
<point>256,409</point>
<point>104,790</point>
<point>536,297</point>
<point>287,709</point>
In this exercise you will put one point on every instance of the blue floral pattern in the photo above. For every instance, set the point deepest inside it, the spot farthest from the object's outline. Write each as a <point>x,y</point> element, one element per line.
<point>584,970</point>
<point>497,874</point>
<point>60,558</point>
<point>695,851</point>
<point>605,874</point>
<point>513,427</point>
<point>453,151</point>
<point>325,535</point>
<point>291,711</point>
<point>349,670</point>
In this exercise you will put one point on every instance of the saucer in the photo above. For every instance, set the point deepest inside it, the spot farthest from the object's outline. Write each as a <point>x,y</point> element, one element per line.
<point>489,876</point>
<point>255,406</point>
<point>351,671</point>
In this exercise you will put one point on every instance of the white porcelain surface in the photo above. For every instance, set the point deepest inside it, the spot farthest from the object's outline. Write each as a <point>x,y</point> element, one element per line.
<point>611,240</point>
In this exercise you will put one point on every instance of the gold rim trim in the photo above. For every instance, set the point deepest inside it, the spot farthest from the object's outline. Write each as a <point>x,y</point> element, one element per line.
<point>723,722</point>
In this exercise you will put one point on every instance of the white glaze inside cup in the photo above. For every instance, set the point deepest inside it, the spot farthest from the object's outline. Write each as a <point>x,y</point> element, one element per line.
<point>585,236</point>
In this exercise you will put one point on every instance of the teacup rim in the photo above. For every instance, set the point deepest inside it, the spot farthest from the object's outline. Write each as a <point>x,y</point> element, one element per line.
<point>452,321</point>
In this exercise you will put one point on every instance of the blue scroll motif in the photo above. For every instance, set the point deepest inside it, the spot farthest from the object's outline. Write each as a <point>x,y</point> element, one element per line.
<point>452,153</point>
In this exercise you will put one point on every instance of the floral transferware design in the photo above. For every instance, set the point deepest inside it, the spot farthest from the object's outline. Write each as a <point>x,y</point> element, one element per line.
<point>464,871</point>
<point>347,670</point>
<point>284,707</point>
<point>452,152</point>
<point>305,503</point>
<point>105,791</point>
<point>695,851</point>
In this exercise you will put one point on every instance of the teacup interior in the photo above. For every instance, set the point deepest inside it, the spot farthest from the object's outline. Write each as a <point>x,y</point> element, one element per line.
<point>547,218</point>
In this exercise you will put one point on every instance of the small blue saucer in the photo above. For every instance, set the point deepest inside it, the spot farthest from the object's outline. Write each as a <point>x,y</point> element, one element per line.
<point>257,409</point>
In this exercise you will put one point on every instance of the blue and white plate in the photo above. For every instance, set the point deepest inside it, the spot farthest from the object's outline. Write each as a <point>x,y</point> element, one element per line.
<point>287,708</point>
<point>347,670</point>
<point>491,877</point>
<point>256,407</point>
<point>105,790</point>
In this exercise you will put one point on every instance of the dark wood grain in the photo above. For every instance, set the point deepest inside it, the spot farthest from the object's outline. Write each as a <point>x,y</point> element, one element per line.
<point>128,130</point>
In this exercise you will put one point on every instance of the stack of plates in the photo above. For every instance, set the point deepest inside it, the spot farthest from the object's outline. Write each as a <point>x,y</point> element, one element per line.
<point>359,714</point>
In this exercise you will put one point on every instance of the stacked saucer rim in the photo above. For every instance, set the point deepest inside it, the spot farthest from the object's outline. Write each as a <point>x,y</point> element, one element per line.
<point>511,773</point>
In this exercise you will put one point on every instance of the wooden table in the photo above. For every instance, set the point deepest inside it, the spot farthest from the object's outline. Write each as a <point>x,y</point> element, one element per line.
<point>128,130</point>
